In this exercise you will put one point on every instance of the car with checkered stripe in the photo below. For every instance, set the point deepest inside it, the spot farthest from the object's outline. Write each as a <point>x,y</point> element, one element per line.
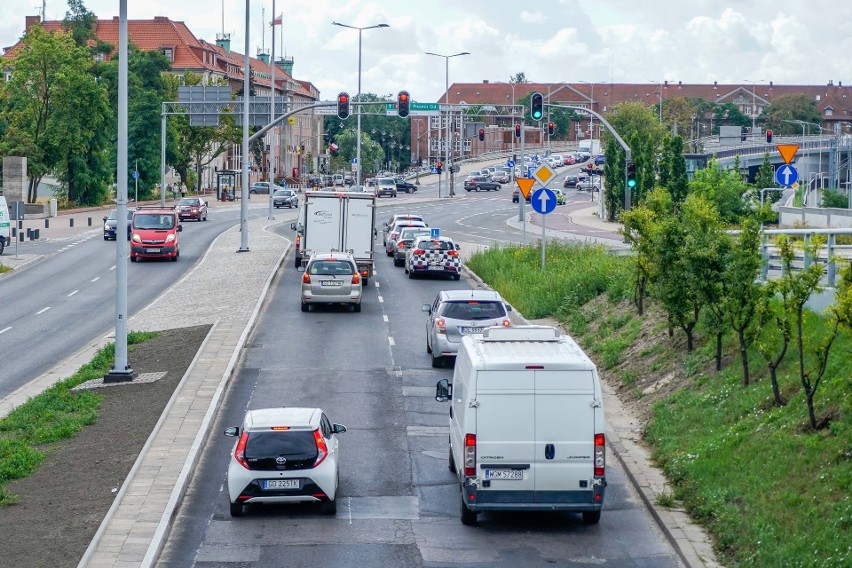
<point>404,242</point>
<point>433,256</point>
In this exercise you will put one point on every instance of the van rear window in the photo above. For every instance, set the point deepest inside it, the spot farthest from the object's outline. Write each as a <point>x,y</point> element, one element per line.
<point>473,310</point>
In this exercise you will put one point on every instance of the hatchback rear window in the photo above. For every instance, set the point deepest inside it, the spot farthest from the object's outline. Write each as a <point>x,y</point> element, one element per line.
<point>436,245</point>
<point>473,310</point>
<point>331,267</point>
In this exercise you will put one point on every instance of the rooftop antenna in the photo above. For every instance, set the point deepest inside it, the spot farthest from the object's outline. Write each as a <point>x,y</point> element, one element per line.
<point>223,17</point>
<point>43,10</point>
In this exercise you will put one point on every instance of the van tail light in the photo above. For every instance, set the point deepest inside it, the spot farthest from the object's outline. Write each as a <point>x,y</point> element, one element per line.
<point>356,278</point>
<point>600,455</point>
<point>453,252</point>
<point>298,241</point>
<point>470,455</point>
<point>419,251</point>
<point>306,278</point>
<point>322,449</point>
<point>442,326</point>
<point>240,452</point>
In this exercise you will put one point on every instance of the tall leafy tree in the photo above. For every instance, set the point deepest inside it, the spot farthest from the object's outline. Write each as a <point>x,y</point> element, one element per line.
<point>678,184</point>
<point>795,106</point>
<point>723,188</point>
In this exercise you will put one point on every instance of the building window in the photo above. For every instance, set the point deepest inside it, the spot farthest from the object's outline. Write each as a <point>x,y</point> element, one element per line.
<point>169,53</point>
<point>829,111</point>
<point>99,57</point>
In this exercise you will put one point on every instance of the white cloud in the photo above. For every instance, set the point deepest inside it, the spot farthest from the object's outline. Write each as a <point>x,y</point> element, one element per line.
<point>533,17</point>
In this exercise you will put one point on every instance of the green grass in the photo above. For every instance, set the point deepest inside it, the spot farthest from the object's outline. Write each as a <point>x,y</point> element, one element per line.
<point>52,416</point>
<point>771,491</point>
<point>4,268</point>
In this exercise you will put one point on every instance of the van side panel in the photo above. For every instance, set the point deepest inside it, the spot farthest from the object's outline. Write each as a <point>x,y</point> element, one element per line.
<point>505,430</point>
<point>565,430</point>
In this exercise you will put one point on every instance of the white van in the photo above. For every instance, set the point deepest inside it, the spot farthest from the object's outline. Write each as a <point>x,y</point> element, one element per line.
<point>5,225</point>
<point>526,424</point>
<point>338,179</point>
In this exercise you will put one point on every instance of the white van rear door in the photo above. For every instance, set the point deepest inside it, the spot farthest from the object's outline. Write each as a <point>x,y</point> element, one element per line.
<point>564,429</point>
<point>505,429</point>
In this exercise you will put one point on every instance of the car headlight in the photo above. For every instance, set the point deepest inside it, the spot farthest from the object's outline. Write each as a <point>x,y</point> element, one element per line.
<point>106,227</point>
<point>136,238</point>
<point>170,238</point>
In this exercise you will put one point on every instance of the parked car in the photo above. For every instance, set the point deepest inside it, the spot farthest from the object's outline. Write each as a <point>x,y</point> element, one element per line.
<point>111,224</point>
<point>478,183</point>
<point>456,313</point>
<point>264,187</point>
<point>192,208</point>
<point>405,240</point>
<point>337,179</point>
<point>402,185</point>
<point>385,186</point>
<point>154,233</point>
<point>331,278</point>
<point>436,256</point>
<point>285,198</point>
<point>285,454</point>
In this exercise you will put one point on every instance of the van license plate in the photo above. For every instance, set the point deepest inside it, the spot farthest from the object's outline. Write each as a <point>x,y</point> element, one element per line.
<point>152,251</point>
<point>504,474</point>
<point>273,484</point>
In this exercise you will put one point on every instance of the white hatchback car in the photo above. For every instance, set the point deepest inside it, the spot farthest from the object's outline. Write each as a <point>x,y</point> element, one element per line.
<point>284,455</point>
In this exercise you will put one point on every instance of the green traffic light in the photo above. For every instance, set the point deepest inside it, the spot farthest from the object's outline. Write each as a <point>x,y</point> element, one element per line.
<point>631,183</point>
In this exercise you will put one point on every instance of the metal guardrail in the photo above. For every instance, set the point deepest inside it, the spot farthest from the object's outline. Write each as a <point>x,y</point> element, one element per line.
<point>831,249</point>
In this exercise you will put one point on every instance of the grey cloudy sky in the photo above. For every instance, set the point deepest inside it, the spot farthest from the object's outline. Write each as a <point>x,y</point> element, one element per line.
<point>694,41</point>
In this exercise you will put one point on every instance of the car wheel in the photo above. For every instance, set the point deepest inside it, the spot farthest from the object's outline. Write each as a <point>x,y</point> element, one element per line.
<point>106,238</point>
<point>397,262</point>
<point>329,507</point>
<point>477,189</point>
<point>132,259</point>
<point>451,462</point>
<point>298,262</point>
<point>305,307</point>
<point>428,347</point>
<point>356,307</point>
<point>591,517</point>
<point>237,509</point>
<point>389,252</point>
<point>468,517</point>
<point>365,281</point>
<point>437,362</point>
<point>251,191</point>
<point>456,276</point>
<point>497,188</point>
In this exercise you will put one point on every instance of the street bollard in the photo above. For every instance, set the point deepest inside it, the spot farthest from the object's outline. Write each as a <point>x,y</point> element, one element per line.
<point>29,233</point>
<point>72,221</point>
<point>90,221</point>
<point>36,233</point>
<point>47,223</point>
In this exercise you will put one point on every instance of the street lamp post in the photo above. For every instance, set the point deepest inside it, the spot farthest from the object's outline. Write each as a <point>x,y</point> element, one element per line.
<point>358,107</point>
<point>447,104</point>
<point>591,107</point>
<point>753,105</point>
<point>661,98</point>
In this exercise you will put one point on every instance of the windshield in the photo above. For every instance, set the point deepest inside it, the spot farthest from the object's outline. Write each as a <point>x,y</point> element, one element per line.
<point>154,221</point>
<point>282,193</point>
<point>190,201</point>
<point>473,310</point>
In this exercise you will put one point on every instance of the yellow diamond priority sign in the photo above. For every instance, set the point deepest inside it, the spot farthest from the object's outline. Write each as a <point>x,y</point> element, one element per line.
<point>525,185</point>
<point>544,174</point>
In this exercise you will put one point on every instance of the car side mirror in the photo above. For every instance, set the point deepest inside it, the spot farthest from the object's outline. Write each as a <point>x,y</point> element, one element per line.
<point>292,226</point>
<point>458,247</point>
<point>443,390</point>
<point>426,308</point>
<point>508,308</point>
<point>232,432</point>
<point>105,218</point>
<point>375,232</point>
<point>338,428</point>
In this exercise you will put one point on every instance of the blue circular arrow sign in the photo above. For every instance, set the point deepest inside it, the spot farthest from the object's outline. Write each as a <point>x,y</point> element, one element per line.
<point>543,201</point>
<point>786,175</point>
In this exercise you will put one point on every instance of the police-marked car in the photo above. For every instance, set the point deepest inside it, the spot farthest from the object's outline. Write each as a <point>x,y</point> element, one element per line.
<point>433,256</point>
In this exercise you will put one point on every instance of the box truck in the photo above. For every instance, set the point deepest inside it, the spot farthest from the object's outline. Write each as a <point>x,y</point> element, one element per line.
<point>527,428</point>
<point>337,222</point>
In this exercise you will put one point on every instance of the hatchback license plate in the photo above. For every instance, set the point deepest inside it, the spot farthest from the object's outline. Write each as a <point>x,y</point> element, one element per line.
<point>272,484</point>
<point>504,474</point>
<point>471,329</point>
<point>331,283</point>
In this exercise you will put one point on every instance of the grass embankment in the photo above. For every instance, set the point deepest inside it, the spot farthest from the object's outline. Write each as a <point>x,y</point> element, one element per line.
<point>770,490</point>
<point>4,268</point>
<point>27,433</point>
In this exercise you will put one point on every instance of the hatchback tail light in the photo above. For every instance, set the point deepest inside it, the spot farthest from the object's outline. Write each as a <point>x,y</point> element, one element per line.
<point>600,455</point>
<point>401,244</point>
<point>322,448</point>
<point>441,325</point>
<point>419,251</point>
<point>240,452</point>
<point>470,455</point>
<point>306,278</point>
<point>356,278</point>
<point>453,252</point>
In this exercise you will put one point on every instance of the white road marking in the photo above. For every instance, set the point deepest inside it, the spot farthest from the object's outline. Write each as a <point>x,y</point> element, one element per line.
<point>113,268</point>
<point>391,341</point>
<point>385,317</point>
<point>95,279</point>
<point>381,300</point>
<point>378,285</point>
<point>72,293</point>
<point>5,330</point>
<point>41,311</point>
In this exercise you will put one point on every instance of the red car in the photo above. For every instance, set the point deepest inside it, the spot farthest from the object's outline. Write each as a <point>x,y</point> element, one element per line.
<point>154,234</point>
<point>192,208</point>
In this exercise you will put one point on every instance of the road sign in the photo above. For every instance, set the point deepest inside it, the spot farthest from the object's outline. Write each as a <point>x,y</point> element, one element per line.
<point>415,109</point>
<point>434,233</point>
<point>510,164</point>
<point>786,175</point>
<point>787,151</point>
<point>543,201</point>
<point>354,161</point>
<point>525,185</point>
<point>135,174</point>
<point>433,170</point>
<point>544,174</point>
<point>327,110</point>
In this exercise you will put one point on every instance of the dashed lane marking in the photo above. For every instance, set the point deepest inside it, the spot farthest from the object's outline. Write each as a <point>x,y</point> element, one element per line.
<point>72,293</point>
<point>41,311</point>
<point>391,341</point>
<point>5,329</point>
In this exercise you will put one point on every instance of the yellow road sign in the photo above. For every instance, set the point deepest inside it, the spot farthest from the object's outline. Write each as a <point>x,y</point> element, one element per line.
<point>788,151</point>
<point>525,185</point>
<point>544,174</point>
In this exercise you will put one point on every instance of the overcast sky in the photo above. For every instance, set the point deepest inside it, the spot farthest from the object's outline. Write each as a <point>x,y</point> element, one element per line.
<point>625,41</point>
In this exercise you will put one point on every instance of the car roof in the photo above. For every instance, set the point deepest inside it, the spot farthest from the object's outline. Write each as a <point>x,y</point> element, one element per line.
<point>429,238</point>
<point>155,210</point>
<point>292,416</point>
<point>327,255</point>
<point>458,295</point>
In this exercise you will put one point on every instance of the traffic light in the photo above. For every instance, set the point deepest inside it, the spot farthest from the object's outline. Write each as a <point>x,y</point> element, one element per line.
<point>517,131</point>
<point>439,165</point>
<point>403,100</point>
<point>343,106</point>
<point>768,136</point>
<point>482,134</point>
<point>537,106</point>
<point>551,128</point>
<point>631,175</point>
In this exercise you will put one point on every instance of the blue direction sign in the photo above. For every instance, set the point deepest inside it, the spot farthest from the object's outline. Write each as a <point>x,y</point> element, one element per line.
<point>510,164</point>
<point>135,174</point>
<point>434,233</point>
<point>786,175</point>
<point>543,201</point>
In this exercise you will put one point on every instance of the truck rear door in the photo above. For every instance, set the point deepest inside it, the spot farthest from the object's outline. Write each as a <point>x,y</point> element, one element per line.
<point>564,430</point>
<point>323,223</point>
<point>505,429</point>
<point>358,229</point>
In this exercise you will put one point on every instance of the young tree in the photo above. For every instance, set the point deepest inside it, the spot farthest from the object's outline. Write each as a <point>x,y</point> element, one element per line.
<point>679,182</point>
<point>641,229</point>
<point>723,188</point>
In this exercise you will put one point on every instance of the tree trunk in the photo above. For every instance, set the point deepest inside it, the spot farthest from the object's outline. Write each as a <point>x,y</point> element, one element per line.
<point>688,330</point>
<point>641,292</point>
<point>718,351</point>
<point>744,356</point>
<point>809,397</point>
<point>773,374</point>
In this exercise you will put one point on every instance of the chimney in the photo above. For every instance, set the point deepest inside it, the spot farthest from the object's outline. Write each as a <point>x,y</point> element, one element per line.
<point>31,21</point>
<point>840,83</point>
<point>485,80</point>
<point>224,41</point>
<point>263,56</point>
<point>666,83</point>
<point>286,65</point>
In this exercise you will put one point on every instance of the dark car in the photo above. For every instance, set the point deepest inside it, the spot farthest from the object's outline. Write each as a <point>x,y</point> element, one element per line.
<point>571,181</point>
<point>402,185</point>
<point>111,221</point>
<point>192,208</point>
<point>476,183</point>
<point>516,194</point>
<point>600,159</point>
<point>285,198</point>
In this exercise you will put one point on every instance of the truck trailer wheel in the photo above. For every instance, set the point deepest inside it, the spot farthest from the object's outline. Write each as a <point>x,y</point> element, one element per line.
<point>298,262</point>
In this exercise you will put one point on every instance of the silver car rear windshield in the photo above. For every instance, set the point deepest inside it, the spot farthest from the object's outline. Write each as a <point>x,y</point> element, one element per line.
<point>331,267</point>
<point>473,310</point>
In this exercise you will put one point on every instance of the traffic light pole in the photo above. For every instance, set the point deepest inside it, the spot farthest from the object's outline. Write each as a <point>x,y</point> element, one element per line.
<point>521,199</point>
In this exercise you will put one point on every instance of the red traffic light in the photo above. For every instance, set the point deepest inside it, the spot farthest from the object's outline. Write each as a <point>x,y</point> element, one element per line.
<point>343,106</point>
<point>482,134</point>
<point>517,131</point>
<point>551,128</point>
<point>403,100</point>
<point>768,136</point>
